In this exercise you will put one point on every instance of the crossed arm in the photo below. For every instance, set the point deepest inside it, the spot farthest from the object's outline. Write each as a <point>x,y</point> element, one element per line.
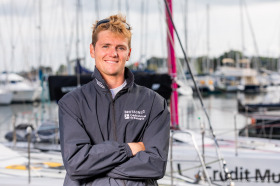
<point>137,160</point>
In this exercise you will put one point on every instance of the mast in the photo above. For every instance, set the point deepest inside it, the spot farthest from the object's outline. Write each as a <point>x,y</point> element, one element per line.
<point>40,68</point>
<point>208,66</point>
<point>119,6</point>
<point>172,69</point>
<point>12,35</point>
<point>97,9</point>
<point>242,28</point>
<point>142,31</point>
<point>77,44</point>
<point>186,25</point>
<point>174,98</point>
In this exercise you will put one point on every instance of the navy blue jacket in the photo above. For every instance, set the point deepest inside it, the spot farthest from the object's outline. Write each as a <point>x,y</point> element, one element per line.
<point>95,130</point>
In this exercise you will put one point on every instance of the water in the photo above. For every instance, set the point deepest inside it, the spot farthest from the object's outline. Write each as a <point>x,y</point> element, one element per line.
<point>25,113</point>
<point>222,109</point>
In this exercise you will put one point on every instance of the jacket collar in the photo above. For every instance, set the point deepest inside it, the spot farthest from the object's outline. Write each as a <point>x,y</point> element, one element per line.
<point>101,84</point>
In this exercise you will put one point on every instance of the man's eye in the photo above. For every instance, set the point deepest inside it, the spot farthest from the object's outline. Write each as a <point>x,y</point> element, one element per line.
<point>105,46</point>
<point>121,48</point>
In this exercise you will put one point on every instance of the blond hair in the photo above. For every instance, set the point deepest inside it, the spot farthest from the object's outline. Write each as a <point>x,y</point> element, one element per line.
<point>116,24</point>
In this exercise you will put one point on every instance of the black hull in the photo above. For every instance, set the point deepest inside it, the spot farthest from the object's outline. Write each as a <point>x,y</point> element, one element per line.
<point>249,108</point>
<point>252,89</point>
<point>160,83</point>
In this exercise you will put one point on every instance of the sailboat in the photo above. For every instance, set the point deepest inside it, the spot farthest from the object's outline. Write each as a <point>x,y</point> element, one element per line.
<point>200,158</point>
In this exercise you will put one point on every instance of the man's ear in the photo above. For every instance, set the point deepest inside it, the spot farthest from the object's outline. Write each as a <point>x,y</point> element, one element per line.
<point>91,48</point>
<point>128,56</point>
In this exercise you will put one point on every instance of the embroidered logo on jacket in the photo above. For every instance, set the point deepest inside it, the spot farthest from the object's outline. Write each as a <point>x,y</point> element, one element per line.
<point>134,114</point>
<point>99,83</point>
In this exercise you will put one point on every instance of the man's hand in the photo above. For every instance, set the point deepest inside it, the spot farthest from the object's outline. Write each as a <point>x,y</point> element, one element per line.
<point>136,147</point>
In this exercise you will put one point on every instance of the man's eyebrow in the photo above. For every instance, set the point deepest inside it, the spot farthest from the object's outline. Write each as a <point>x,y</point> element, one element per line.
<point>105,43</point>
<point>120,45</point>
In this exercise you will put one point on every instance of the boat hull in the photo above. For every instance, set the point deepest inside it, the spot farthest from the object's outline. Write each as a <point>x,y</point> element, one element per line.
<point>5,98</point>
<point>23,96</point>
<point>250,161</point>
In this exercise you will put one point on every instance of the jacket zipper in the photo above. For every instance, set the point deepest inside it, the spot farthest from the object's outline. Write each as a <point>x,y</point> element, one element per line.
<point>114,121</point>
<point>114,116</point>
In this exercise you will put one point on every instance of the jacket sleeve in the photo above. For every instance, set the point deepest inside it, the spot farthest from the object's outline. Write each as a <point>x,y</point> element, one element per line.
<point>81,158</point>
<point>151,163</point>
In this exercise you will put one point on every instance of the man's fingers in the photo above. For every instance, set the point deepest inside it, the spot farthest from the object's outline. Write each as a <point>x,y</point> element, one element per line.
<point>136,147</point>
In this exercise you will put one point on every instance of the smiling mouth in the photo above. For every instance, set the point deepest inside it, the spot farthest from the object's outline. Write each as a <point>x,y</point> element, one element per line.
<point>112,62</point>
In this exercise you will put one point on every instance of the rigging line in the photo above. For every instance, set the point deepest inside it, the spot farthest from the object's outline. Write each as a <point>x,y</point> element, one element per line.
<point>168,32</point>
<point>146,28</point>
<point>181,68</point>
<point>173,45</point>
<point>185,10</point>
<point>9,26</point>
<point>78,7</point>
<point>71,39</point>
<point>53,21</point>
<point>178,62</point>
<point>68,47</point>
<point>127,10</point>
<point>5,13</point>
<point>83,34</point>
<point>32,21</point>
<point>251,29</point>
<point>112,5</point>
<point>97,9</point>
<point>20,22</point>
<point>142,28</point>
<point>161,25</point>
<point>185,57</point>
<point>3,51</point>
<point>199,31</point>
<point>119,6</point>
<point>12,33</point>
<point>208,38</point>
<point>49,46</point>
<point>242,27</point>
<point>40,33</point>
<point>64,30</point>
<point>199,94</point>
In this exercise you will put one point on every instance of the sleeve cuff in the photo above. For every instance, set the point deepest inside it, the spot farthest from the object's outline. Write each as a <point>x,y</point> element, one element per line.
<point>128,150</point>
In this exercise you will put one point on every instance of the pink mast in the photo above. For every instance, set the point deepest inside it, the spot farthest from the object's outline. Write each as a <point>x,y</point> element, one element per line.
<point>172,69</point>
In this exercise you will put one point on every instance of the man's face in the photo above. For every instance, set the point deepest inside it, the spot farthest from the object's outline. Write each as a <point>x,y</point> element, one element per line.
<point>111,53</point>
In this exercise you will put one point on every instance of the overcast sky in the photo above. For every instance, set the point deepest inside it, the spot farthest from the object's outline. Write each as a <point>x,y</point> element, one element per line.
<point>23,45</point>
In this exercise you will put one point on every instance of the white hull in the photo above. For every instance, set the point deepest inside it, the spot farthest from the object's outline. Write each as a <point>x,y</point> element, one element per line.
<point>254,163</point>
<point>23,95</point>
<point>21,88</point>
<point>5,97</point>
<point>184,89</point>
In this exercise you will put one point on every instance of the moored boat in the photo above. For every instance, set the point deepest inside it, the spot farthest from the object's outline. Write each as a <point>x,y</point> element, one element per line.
<point>5,96</point>
<point>21,88</point>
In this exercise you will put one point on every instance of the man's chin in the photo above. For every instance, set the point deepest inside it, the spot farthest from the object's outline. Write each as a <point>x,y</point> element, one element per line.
<point>113,74</point>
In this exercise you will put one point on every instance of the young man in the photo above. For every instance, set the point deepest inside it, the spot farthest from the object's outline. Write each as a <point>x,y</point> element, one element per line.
<point>113,132</point>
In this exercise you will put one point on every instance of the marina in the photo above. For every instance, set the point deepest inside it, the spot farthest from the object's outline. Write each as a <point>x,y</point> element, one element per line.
<point>224,102</point>
<point>242,154</point>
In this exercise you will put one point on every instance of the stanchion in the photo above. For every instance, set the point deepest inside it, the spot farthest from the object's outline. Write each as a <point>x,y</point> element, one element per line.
<point>29,131</point>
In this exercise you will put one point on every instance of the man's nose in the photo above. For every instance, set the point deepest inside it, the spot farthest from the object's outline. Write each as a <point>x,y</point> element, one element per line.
<point>113,52</point>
